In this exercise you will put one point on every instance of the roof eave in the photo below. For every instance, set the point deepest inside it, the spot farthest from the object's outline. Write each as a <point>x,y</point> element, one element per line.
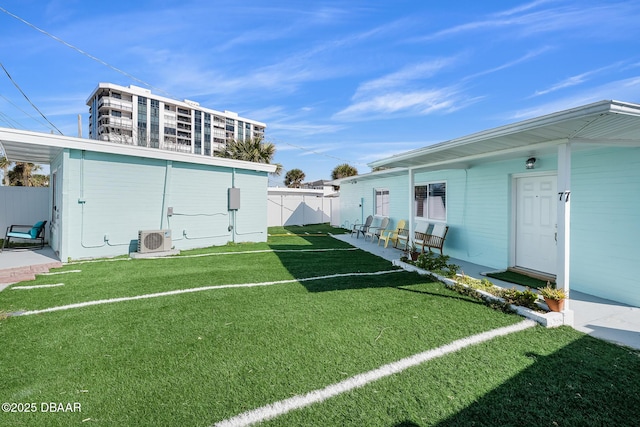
<point>594,109</point>
<point>376,174</point>
<point>44,143</point>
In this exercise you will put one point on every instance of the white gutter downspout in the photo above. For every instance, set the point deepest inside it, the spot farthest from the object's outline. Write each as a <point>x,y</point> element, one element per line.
<point>564,227</point>
<point>164,217</point>
<point>232,213</point>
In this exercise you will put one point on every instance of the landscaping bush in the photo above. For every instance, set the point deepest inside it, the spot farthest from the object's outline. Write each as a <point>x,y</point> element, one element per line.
<point>436,263</point>
<point>526,298</point>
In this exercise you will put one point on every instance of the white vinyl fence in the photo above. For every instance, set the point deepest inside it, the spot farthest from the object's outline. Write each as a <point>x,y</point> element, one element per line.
<point>296,209</point>
<point>23,206</point>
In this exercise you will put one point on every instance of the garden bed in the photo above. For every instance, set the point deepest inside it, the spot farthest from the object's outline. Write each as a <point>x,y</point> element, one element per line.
<point>546,319</point>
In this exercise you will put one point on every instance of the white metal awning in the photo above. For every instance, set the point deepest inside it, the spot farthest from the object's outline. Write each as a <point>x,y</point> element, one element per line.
<point>611,123</point>
<point>43,148</point>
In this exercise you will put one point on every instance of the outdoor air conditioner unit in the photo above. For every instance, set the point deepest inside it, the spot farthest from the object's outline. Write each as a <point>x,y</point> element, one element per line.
<point>154,241</point>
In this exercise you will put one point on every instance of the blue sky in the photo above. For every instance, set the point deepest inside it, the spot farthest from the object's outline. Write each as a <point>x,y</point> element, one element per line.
<point>335,81</point>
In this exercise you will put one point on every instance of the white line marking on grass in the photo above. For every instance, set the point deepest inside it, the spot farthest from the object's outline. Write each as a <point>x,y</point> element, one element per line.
<point>256,252</point>
<point>91,261</point>
<point>216,253</point>
<point>53,273</point>
<point>37,286</point>
<point>190,290</point>
<point>300,401</point>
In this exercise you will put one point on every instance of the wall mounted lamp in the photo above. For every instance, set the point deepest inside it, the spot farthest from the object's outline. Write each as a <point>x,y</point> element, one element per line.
<point>530,163</point>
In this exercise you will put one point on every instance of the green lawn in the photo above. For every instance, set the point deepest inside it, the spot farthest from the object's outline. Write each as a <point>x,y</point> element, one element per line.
<point>202,357</point>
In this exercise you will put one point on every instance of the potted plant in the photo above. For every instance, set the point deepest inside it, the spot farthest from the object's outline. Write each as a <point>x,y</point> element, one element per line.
<point>412,250</point>
<point>553,297</point>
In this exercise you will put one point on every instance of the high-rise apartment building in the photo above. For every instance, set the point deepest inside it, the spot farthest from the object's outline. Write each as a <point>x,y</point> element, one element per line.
<point>133,115</point>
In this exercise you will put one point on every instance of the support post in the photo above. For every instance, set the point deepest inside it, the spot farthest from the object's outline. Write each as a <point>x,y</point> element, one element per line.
<point>411,202</point>
<point>564,226</point>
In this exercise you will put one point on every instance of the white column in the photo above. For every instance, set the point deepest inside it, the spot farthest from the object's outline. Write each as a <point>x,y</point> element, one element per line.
<point>411,196</point>
<point>564,225</point>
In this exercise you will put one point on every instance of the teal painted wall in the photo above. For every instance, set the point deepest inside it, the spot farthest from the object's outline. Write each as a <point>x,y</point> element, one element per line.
<point>363,192</point>
<point>251,219</point>
<point>605,223</point>
<point>198,196</point>
<point>116,196</point>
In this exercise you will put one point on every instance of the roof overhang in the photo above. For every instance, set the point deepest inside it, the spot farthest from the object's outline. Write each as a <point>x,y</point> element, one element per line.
<point>43,148</point>
<point>384,173</point>
<point>608,123</point>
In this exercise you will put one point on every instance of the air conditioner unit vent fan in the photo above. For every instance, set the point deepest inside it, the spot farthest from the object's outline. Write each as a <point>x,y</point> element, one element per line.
<point>154,241</point>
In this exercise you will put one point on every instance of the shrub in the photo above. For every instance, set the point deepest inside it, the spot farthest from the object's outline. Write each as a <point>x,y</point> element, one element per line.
<point>436,263</point>
<point>526,298</point>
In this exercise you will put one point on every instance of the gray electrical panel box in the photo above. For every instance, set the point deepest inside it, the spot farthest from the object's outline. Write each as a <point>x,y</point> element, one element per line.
<point>234,199</point>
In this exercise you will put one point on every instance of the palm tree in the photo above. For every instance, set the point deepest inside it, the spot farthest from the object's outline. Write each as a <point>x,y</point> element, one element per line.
<point>342,171</point>
<point>278,170</point>
<point>294,178</point>
<point>250,150</point>
<point>39,180</point>
<point>4,165</point>
<point>22,175</point>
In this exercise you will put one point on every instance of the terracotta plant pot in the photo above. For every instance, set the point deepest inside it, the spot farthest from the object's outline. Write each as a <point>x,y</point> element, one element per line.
<point>414,256</point>
<point>555,304</point>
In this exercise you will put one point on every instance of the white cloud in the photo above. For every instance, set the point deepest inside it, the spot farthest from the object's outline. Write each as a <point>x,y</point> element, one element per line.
<point>418,102</point>
<point>526,21</point>
<point>302,129</point>
<point>404,92</point>
<point>298,20</point>
<point>576,80</point>
<point>622,90</point>
<point>526,57</point>
<point>516,10</point>
<point>404,76</point>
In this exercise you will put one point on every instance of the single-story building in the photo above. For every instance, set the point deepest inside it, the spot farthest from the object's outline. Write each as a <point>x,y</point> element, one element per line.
<point>557,194</point>
<point>102,194</point>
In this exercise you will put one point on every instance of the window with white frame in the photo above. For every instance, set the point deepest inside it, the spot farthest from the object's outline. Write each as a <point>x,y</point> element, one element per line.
<point>382,202</point>
<point>430,201</point>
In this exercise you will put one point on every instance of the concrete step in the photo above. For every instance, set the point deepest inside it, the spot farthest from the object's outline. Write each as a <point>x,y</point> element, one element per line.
<point>21,274</point>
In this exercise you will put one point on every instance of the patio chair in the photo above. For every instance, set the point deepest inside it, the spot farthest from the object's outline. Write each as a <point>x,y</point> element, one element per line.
<point>375,232</point>
<point>362,228</point>
<point>26,232</point>
<point>392,235</point>
<point>435,238</point>
<point>403,235</point>
<point>422,229</point>
<point>403,238</point>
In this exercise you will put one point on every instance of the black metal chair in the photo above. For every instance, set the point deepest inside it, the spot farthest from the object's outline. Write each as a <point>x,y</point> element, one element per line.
<point>25,232</point>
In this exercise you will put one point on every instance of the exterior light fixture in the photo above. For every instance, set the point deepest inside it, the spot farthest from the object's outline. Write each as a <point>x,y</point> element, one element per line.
<point>530,163</point>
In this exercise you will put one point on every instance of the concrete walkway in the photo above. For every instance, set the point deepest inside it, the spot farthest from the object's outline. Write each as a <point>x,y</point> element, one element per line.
<point>600,318</point>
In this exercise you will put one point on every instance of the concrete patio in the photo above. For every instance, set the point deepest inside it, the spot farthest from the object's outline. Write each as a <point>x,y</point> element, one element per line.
<point>17,265</point>
<point>600,318</point>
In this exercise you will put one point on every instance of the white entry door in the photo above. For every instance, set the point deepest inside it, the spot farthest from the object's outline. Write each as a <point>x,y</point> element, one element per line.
<point>536,223</point>
<point>56,203</point>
